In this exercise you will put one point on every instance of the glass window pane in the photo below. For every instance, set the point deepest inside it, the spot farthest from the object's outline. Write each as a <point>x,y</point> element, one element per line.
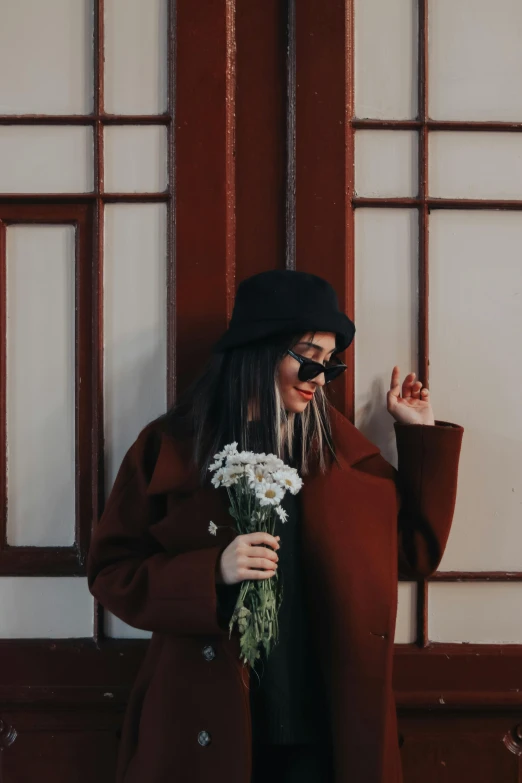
<point>475,60</point>
<point>386,36</point>
<point>46,159</point>
<point>136,56</point>
<point>386,269</point>
<point>41,385</point>
<point>406,627</point>
<point>475,612</point>
<point>386,163</point>
<point>46,56</point>
<point>135,329</point>
<point>34,607</point>
<point>135,159</point>
<point>476,377</point>
<point>475,165</point>
<point>134,324</point>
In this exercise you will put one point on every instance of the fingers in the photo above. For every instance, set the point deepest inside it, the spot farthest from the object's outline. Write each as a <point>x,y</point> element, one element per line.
<point>394,384</point>
<point>257,563</point>
<point>261,551</point>
<point>261,538</point>
<point>408,384</point>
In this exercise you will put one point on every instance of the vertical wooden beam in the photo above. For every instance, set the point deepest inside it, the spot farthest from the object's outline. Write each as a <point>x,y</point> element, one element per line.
<point>324,156</point>
<point>260,136</point>
<point>202,248</point>
<point>171,204</point>
<point>423,326</point>
<point>290,213</point>
<point>98,435</point>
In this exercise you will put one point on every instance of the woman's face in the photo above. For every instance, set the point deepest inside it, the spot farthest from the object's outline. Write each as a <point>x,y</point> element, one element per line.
<point>297,394</point>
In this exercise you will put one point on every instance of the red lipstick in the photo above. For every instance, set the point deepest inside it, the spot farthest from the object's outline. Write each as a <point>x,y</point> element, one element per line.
<point>305,394</point>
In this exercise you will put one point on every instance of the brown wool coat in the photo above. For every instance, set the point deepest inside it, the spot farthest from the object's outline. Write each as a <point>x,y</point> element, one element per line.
<point>363,523</point>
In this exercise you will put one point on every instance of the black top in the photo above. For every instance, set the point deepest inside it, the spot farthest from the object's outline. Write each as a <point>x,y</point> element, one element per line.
<point>286,691</point>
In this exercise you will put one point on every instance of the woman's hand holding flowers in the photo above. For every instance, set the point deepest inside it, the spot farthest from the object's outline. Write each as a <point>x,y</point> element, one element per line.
<point>242,559</point>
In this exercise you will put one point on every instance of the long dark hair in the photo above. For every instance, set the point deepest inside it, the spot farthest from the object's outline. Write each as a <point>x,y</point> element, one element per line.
<point>214,409</point>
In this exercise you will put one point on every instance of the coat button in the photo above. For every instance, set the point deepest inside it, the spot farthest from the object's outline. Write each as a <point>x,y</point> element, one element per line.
<point>208,653</point>
<point>204,738</point>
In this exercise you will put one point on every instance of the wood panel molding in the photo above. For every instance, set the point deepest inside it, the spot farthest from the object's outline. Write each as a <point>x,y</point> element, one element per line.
<point>55,561</point>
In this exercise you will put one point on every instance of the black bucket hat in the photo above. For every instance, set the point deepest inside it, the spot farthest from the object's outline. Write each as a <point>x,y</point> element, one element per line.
<point>283,300</point>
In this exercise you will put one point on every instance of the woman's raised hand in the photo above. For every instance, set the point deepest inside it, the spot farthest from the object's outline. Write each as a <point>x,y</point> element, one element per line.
<point>245,556</point>
<point>414,407</point>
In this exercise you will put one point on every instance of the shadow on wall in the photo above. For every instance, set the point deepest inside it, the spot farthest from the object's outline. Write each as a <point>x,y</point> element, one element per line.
<point>374,421</point>
<point>135,394</point>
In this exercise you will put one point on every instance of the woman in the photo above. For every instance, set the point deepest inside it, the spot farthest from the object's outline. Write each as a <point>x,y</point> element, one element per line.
<point>320,707</point>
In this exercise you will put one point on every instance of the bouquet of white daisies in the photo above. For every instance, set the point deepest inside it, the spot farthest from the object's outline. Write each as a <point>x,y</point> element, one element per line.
<point>256,485</point>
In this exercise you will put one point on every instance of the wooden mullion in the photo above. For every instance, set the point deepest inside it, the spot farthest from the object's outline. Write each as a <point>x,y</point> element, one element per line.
<point>98,439</point>
<point>85,119</point>
<point>438,125</point>
<point>41,561</point>
<point>47,119</point>
<point>423,261</point>
<point>476,576</point>
<point>79,198</point>
<point>349,304</point>
<point>437,203</point>
<point>171,205</point>
<point>98,434</point>
<point>135,119</point>
<point>85,350</point>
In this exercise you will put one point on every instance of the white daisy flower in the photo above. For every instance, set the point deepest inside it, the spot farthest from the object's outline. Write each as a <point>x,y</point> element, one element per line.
<point>217,480</point>
<point>269,493</point>
<point>258,475</point>
<point>273,463</point>
<point>212,528</point>
<point>289,479</point>
<point>245,458</point>
<point>232,474</point>
<point>283,516</point>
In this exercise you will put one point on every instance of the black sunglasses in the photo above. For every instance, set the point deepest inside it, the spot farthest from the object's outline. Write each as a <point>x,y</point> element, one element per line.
<point>310,369</point>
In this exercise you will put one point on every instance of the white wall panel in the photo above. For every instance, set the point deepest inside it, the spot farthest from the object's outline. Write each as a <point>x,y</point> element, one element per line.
<point>386,59</point>
<point>46,57</point>
<point>475,612</point>
<point>476,378</point>
<point>136,56</point>
<point>46,159</point>
<point>475,60</point>
<point>117,629</point>
<point>135,327</point>
<point>135,159</point>
<point>45,607</point>
<point>386,163</point>
<point>40,385</point>
<point>406,628</point>
<point>475,165</point>
<point>134,323</point>
<point>386,245</point>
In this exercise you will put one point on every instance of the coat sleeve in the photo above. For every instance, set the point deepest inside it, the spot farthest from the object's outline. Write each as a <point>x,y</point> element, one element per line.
<point>134,577</point>
<point>426,486</point>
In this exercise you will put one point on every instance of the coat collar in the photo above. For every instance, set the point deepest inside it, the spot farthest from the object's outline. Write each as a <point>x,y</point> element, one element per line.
<point>175,470</point>
<point>351,445</point>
